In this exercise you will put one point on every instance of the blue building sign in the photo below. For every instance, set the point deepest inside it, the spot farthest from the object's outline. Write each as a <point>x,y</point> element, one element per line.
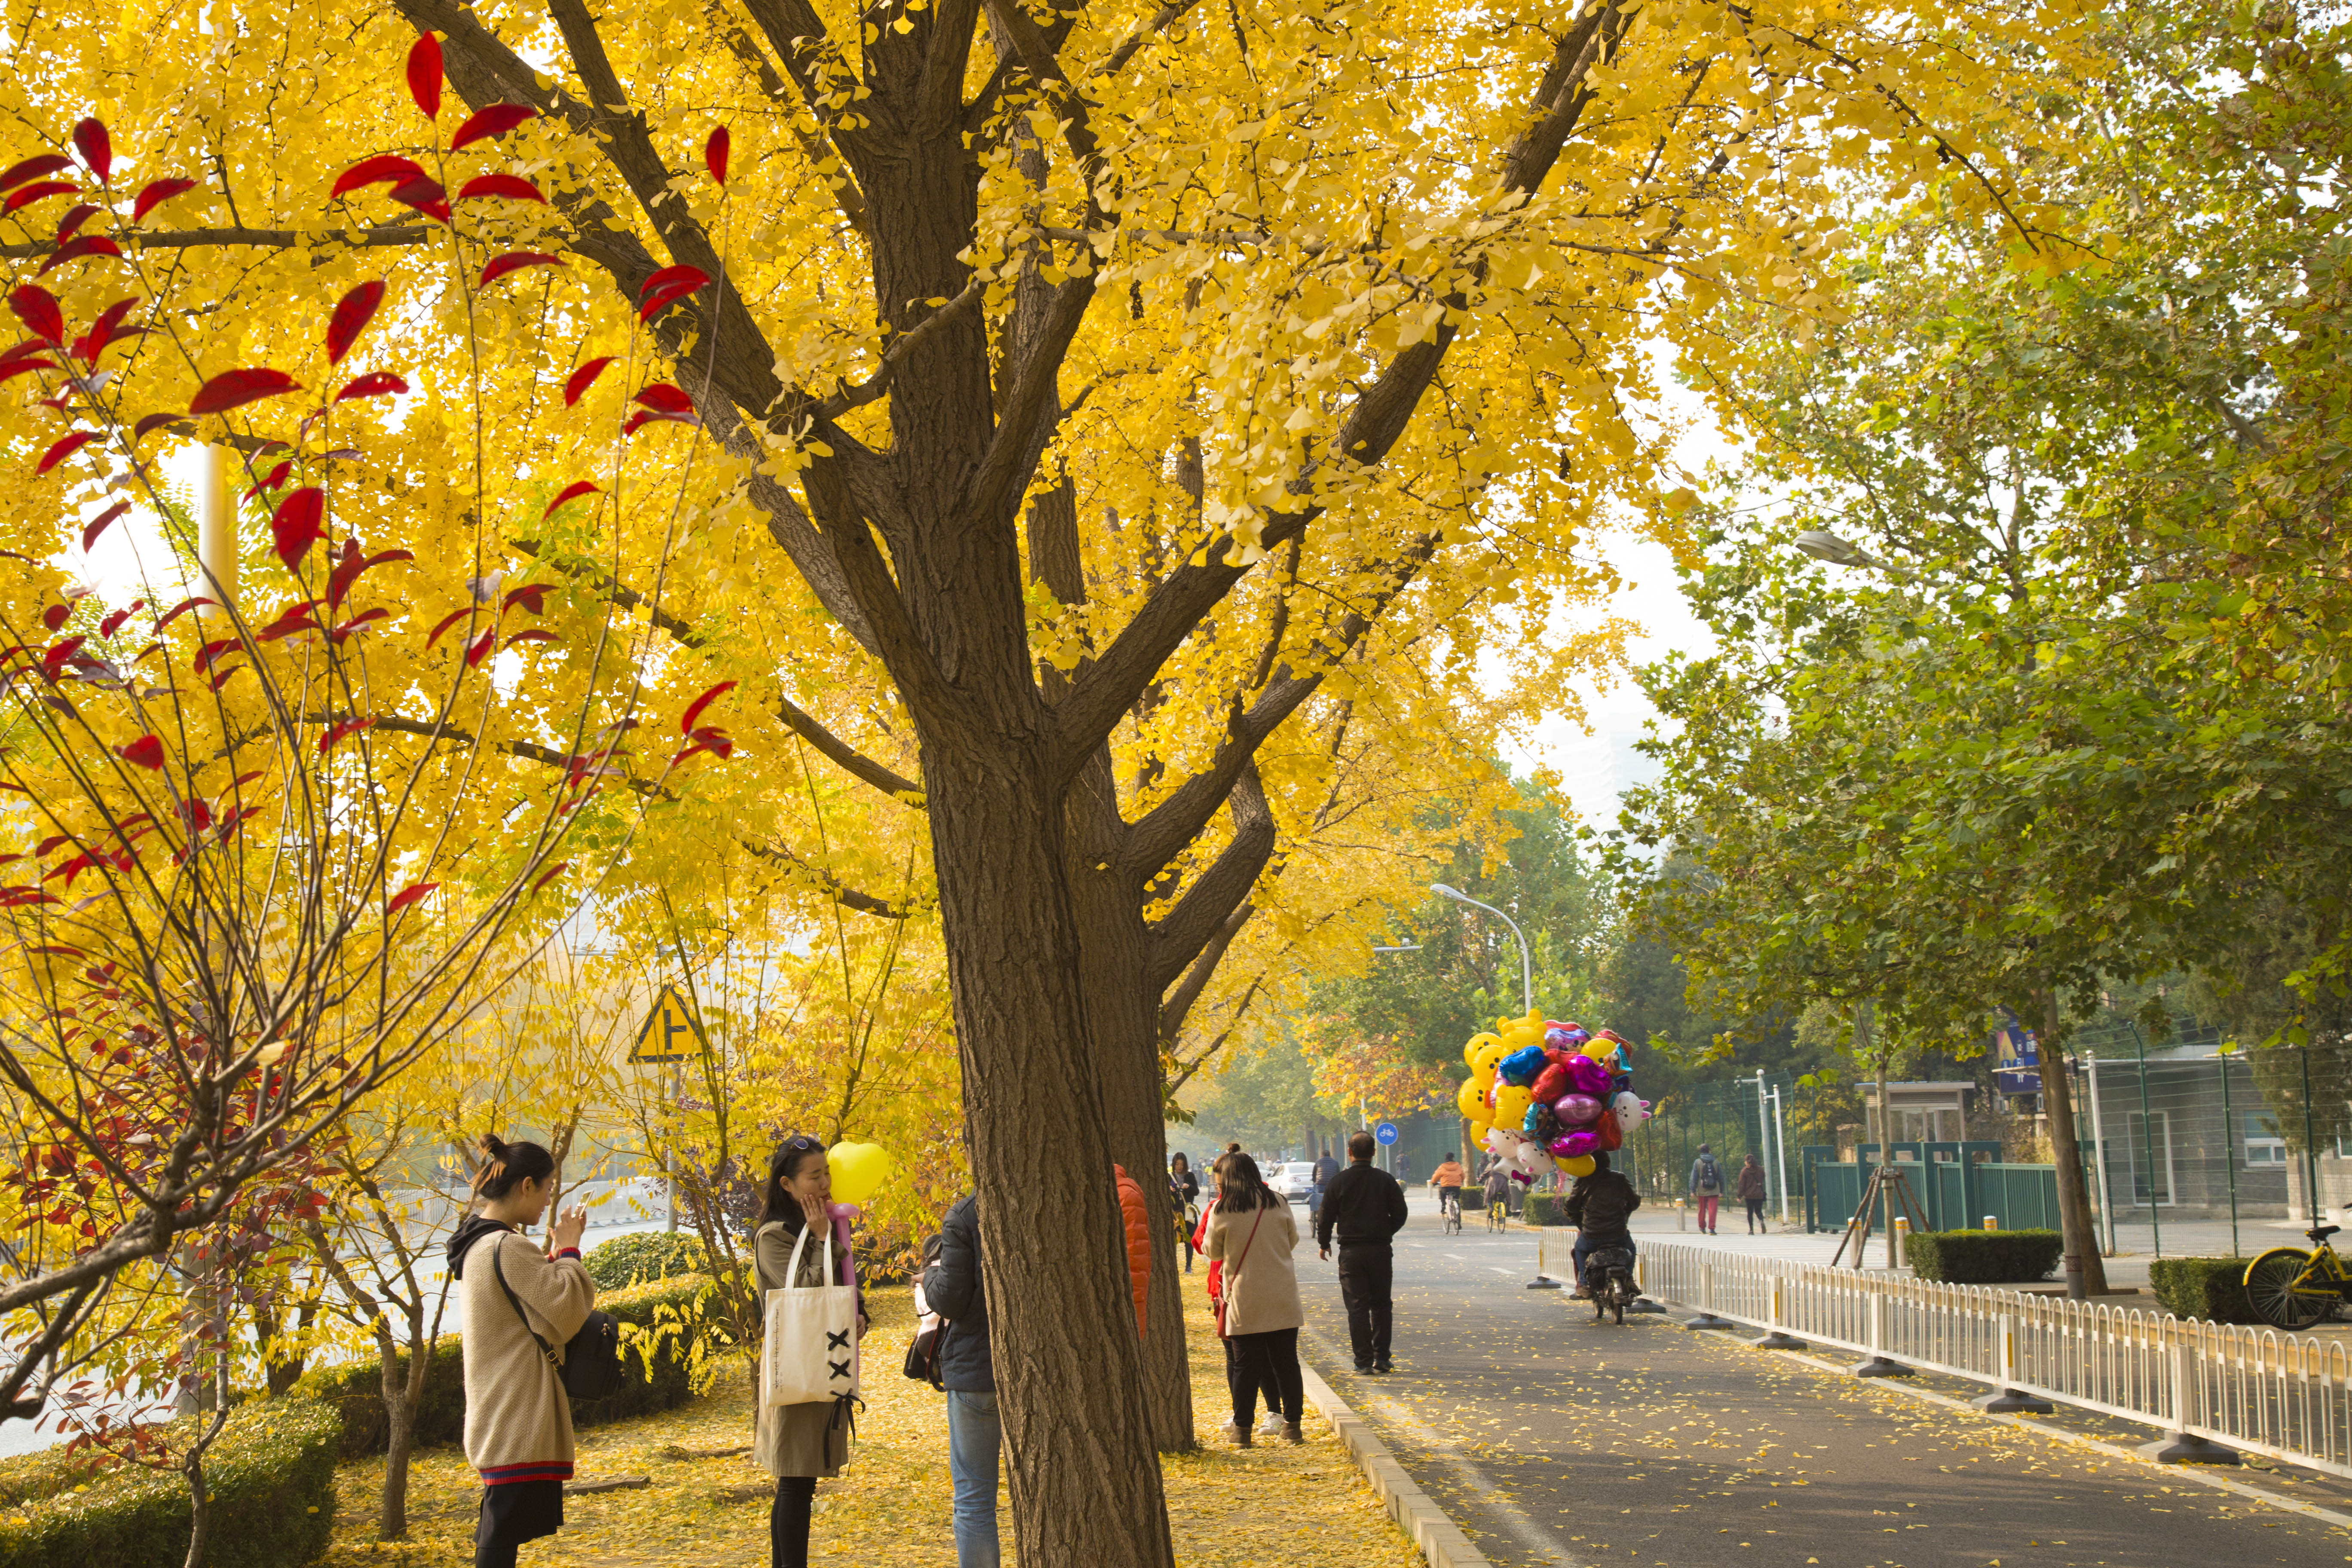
<point>2017,1058</point>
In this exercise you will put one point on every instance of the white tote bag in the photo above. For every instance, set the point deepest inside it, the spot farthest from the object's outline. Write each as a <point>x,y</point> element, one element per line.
<point>811,1350</point>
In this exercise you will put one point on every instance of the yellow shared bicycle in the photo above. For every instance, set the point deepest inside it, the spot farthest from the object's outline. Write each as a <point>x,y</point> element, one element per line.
<point>2292,1288</point>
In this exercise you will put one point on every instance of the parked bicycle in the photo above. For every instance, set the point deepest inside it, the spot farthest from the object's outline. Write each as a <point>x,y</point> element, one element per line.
<point>2292,1288</point>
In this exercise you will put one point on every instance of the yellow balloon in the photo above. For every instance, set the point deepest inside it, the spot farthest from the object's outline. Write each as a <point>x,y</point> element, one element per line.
<point>858,1170</point>
<point>1478,1131</point>
<point>1484,1077</point>
<point>1511,1102</point>
<point>1476,1044</point>
<point>1488,1055</point>
<point>1470,1100</point>
<point>1599,1050</point>
<point>1579,1166</point>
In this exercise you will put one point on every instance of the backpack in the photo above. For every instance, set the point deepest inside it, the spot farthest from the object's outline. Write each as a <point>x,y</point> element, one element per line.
<point>1710,1177</point>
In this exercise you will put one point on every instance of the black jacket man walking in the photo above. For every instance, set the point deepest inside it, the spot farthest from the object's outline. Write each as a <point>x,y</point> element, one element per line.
<point>1366,1207</point>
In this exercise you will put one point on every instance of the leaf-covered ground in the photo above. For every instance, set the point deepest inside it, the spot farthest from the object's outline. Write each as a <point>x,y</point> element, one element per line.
<point>890,1507</point>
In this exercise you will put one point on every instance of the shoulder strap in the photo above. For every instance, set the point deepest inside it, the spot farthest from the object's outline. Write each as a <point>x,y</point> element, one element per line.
<point>793,1270</point>
<point>498,1268</point>
<point>1245,1244</point>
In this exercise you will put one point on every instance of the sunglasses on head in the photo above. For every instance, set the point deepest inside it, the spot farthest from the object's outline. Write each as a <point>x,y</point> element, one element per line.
<point>800,1143</point>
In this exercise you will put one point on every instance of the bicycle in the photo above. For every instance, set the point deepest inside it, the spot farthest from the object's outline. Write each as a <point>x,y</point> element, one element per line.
<point>2291,1288</point>
<point>1449,1204</point>
<point>1499,1213</point>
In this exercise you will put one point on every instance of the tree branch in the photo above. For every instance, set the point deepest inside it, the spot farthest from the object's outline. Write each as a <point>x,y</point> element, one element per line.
<point>1178,938</point>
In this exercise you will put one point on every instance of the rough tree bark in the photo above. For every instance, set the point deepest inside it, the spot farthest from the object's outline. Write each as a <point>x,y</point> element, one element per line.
<point>2086,1271</point>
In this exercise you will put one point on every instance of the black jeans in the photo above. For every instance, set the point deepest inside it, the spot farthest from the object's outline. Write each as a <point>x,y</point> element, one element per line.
<point>788,1522</point>
<point>1754,1214</point>
<point>1367,1270</point>
<point>1268,1360</point>
<point>513,1513</point>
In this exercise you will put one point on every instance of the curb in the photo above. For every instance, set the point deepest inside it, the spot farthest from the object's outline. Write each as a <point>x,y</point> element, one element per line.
<point>1436,1537</point>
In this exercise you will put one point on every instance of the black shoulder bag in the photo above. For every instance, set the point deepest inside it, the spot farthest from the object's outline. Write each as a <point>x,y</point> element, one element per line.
<point>590,1367</point>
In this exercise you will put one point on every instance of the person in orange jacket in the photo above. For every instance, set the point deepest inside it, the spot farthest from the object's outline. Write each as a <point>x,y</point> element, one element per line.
<point>1136,1214</point>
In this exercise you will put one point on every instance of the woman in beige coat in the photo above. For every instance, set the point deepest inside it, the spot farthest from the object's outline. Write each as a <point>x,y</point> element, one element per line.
<point>798,1444</point>
<point>1252,1235</point>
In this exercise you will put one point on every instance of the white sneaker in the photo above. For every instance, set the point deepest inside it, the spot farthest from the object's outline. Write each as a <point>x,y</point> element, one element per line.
<point>1272,1425</point>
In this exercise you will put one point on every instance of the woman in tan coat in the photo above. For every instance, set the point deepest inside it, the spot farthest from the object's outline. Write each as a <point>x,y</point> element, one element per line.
<point>1252,1235</point>
<point>798,1444</point>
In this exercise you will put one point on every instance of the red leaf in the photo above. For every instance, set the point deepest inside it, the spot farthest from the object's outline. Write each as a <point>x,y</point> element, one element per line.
<point>271,480</point>
<point>294,617</point>
<point>32,168</point>
<point>664,398</point>
<point>114,618</point>
<point>714,155</point>
<point>499,265</point>
<point>531,596</point>
<point>235,388</point>
<point>222,678</point>
<point>349,564</point>
<point>424,75</point>
<point>584,378</point>
<point>181,608</point>
<point>514,187</point>
<point>550,875</point>
<point>408,896</point>
<point>96,146</point>
<point>342,731</point>
<point>496,119</point>
<point>358,621</point>
<point>220,647</point>
<point>24,367</point>
<point>635,420</point>
<point>39,192</point>
<point>156,192</point>
<point>75,218</point>
<point>296,525</point>
<point>76,250</point>
<point>375,383</point>
<point>376,171</point>
<point>25,350</point>
<point>426,194</point>
<point>694,710</point>
<point>146,751</point>
<point>100,523</point>
<point>54,660</point>
<point>37,309</point>
<point>668,287</point>
<point>570,493</point>
<point>451,619</point>
<point>479,649</point>
<point>353,311</point>
<point>55,615</point>
<point>533,634</point>
<point>64,447</point>
<point>105,330</point>
<point>150,423</point>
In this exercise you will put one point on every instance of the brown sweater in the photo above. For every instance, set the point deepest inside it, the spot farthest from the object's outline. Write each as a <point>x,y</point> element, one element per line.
<point>517,1420</point>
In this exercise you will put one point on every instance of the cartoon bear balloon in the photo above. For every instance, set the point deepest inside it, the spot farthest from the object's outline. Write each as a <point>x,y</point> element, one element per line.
<point>1629,1112</point>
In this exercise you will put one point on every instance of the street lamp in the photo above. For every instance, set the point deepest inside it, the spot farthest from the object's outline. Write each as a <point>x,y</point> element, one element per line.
<point>1822,545</point>
<point>1405,947</point>
<point>1527,964</point>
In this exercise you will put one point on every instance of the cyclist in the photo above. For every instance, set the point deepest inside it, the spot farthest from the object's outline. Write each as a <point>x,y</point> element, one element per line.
<point>1447,1179</point>
<point>1497,1183</point>
<point>1598,1205</point>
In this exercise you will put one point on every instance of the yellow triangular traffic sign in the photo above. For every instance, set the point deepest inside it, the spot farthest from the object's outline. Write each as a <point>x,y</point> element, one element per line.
<point>670,1032</point>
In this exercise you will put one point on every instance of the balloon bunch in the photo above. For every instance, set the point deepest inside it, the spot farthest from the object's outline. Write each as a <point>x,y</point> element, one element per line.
<point>1547,1096</point>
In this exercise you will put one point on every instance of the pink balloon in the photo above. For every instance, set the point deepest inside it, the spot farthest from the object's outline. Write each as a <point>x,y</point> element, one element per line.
<point>1558,1147</point>
<point>1576,1110</point>
<point>1587,1076</point>
<point>1572,1145</point>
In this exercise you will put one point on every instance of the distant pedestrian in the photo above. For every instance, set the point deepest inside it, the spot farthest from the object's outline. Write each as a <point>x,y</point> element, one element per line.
<point>1184,1192</point>
<point>518,1418</point>
<point>1326,1167</point>
<point>800,1444</point>
<point>1706,1188</point>
<point>1252,1234</point>
<point>1404,1171</point>
<point>1749,1186</point>
<point>1366,1207</point>
<point>968,1372</point>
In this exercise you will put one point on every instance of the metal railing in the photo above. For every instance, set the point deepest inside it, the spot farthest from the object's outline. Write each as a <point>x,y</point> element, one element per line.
<point>2249,1389</point>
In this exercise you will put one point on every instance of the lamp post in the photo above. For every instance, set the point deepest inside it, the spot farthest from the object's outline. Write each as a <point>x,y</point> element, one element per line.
<point>1527,964</point>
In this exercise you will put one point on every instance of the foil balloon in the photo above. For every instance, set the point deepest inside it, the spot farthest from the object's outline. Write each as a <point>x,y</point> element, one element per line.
<point>1559,1147</point>
<point>1550,1083</point>
<point>1488,1055</point>
<point>1628,1111</point>
<point>1576,1110</point>
<point>1476,1044</point>
<point>858,1170</point>
<point>1529,1161</point>
<point>1541,1125</point>
<point>1612,1136</point>
<point>1511,1102</point>
<point>1470,1099</point>
<point>1521,1066</point>
<point>1572,1145</point>
<point>1576,1166</point>
<point>1586,1076</point>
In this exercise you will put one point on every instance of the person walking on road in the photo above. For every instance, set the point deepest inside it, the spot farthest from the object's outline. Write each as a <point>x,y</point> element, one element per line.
<point>1366,1209</point>
<point>968,1373</point>
<point>1251,1233</point>
<point>1598,1205</point>
<point>1749,1186</point>
<point>1706,1188</point>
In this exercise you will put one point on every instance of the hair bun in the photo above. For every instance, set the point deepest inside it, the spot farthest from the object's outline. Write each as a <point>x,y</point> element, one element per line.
<point>492,1147</point>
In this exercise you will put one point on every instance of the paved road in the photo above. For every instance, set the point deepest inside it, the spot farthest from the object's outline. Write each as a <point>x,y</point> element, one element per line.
<point>1555,1440</point>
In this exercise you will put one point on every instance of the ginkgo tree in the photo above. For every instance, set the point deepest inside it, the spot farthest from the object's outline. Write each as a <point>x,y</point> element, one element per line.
<point>1088,390</point>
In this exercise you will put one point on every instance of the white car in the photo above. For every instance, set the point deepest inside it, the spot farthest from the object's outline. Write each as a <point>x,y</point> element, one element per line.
<point>1295,1179</point>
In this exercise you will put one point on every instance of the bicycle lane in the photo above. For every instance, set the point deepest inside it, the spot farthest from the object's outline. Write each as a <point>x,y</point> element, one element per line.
<point>1553,1439</point>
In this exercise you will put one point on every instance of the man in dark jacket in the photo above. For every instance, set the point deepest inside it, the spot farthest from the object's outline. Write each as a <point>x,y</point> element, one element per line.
<point>1598,1205</point>
<point>1366,1207</point>
<point>975,1435</point>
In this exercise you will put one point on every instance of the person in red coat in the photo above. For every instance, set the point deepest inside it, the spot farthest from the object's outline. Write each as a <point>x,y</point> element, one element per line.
<point>1136,1217</point>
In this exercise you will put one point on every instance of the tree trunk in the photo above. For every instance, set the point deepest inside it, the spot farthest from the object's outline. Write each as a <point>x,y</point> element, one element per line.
<point>1079,1457</point>
<point>200,1511</point>
<point>2087,1272</point>
<point>400,1425</point>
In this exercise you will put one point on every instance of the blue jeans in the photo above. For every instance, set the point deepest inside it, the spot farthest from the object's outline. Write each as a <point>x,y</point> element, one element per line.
<point>975,1444</point>
<point>1586,1248</point>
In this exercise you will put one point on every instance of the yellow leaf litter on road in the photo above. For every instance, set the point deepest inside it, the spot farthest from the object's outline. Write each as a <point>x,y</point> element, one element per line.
<point>890,1507</point>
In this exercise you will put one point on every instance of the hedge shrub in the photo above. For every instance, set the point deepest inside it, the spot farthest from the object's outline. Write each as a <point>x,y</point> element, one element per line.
<point>272,1475</point>
<point>1545,1208</point>
<point>2213,1289</point>
<point>1983,1257</point>
<point>646,1255</point>
<point>672,1319</point>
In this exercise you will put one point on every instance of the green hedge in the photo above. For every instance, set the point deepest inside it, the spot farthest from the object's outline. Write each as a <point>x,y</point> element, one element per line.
<point>272,1476</point>
<point>1546,1208</point>
<point>2210,1288</point>
<point>646,1255</point>
<point>673,1314</point>
<point>1983,1257</point>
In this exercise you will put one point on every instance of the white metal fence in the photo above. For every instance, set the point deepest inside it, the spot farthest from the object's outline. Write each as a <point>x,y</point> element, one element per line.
<point>2256,1390</point>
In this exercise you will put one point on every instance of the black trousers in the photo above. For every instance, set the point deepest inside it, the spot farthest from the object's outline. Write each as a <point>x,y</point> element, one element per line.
<point>513,1513</point>
<point>1367,1270</point>
<point>1268,1361</point>
<point>788,1522</point>
<point>1756,1214</point>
